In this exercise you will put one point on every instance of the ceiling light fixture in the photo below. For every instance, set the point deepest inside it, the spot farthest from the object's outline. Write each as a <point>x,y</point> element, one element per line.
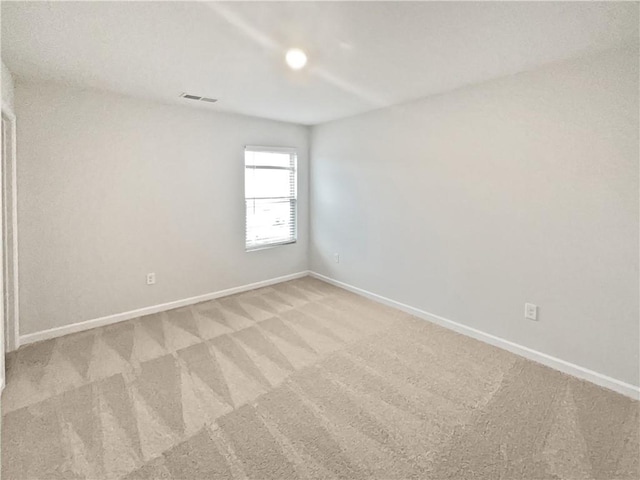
<point>296,58</point>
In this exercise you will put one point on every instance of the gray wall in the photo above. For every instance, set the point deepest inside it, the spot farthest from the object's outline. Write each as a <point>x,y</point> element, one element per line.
<point>111,188</point>
<point>471,203</point>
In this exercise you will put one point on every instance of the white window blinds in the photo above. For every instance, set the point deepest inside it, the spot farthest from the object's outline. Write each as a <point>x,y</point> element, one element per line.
<point>270,196</point>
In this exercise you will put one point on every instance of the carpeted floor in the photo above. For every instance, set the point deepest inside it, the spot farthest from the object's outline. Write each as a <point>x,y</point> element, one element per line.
<point>302,380</point>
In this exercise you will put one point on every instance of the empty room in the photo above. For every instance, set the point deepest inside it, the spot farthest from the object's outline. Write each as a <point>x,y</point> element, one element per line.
<point>320,240</point>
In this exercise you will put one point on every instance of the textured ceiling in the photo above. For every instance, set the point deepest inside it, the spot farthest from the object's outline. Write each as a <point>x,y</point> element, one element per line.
<point>362,56</point>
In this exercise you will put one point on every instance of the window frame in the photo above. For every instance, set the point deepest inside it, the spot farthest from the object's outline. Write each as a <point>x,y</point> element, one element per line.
<point>282,150</point>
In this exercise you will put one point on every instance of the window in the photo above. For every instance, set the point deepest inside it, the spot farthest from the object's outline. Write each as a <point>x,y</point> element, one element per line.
<point>270,196</point>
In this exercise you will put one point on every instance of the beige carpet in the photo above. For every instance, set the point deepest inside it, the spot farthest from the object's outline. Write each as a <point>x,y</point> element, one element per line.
<point>302,380</point>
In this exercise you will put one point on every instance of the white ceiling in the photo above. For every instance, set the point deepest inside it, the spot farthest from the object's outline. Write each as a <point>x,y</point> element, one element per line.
<point>362,56</point>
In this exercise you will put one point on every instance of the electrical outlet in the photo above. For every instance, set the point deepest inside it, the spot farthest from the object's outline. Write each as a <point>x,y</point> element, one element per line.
<point>530,311</point>
<point>151,278</point>
<point>336,257</point>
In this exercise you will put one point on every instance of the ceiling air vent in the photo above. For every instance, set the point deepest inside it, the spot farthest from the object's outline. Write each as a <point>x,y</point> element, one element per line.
<point>198,98</point>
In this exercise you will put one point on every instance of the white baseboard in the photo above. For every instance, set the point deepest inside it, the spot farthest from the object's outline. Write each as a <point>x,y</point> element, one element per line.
<point>120,317</point>
<point>547,360</point>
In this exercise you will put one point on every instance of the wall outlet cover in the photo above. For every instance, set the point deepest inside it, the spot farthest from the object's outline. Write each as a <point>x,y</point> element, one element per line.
<point>530,311</point>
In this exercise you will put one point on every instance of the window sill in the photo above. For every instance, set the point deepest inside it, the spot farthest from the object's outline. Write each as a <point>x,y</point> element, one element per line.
<point>269,246</point>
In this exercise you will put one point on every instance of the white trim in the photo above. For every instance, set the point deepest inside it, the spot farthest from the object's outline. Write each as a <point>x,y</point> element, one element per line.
<point>14,230</point>
<point>120,317</point>
<point>8,111</point>
<point>264,149</point>
<point>548,360</point>
<point>3,250</point>
<point>14,342</point>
